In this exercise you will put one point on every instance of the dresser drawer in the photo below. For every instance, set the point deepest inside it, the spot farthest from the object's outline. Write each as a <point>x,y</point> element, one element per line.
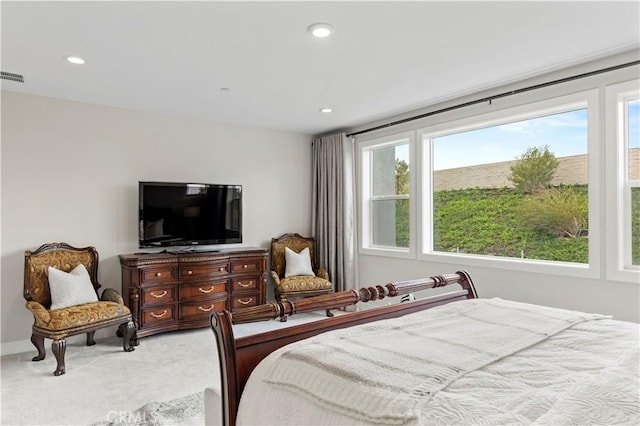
<point>190,311</point>
<point>244,283</point>
<point>203,290</point>
<point>158,314</point>
<point>199,272</point>
<point>155,295</point>
<point>250,264</point>
<point>244,301</point>
<point>157,275</point>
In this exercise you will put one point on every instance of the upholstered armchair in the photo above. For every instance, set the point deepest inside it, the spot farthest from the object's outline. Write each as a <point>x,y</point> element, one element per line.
<point>75,307</point>
<point>303,279</point>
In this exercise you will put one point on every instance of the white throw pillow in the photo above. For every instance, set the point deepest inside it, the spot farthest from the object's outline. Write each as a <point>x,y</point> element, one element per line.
<point>297,263</point>
<point>70,289</point>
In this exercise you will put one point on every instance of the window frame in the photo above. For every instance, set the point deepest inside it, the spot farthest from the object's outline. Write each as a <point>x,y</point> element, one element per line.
<point>365,177</point>
<point>618,261</point>
<point>584,99</point>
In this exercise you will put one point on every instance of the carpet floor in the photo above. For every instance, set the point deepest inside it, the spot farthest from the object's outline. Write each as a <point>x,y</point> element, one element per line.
<point>103,383</point>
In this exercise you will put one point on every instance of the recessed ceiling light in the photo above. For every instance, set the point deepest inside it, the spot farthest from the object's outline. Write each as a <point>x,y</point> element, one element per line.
<point>74,60</point>
<point>326,110</point>
<point>321,29</point>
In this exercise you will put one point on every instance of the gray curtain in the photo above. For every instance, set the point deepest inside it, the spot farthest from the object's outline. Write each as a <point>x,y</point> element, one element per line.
<point>334,208</point>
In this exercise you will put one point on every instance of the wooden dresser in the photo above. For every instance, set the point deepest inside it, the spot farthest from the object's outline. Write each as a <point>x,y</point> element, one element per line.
<point>171,291</point>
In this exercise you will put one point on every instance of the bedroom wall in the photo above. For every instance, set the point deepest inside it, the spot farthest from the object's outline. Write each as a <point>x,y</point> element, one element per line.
<point>70,173</point>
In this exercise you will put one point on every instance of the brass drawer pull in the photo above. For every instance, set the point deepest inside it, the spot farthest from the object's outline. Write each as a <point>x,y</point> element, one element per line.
<point>248,284</point>
<point>159,296</point>
<point>200,308</point>
<point>189,272</point>
<point>221,269</point>
<point>242,302</point>
<point>202,290</point>
<point>158,315</point>
<point>158,274</point>
<point>244,266</point>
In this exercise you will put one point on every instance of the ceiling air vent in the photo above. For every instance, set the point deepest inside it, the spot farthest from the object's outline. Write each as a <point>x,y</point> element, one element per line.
<point>11,76</point>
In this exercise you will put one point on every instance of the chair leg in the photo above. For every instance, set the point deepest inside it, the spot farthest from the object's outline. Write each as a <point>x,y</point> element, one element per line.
<point>90,338</point>
<point>38,342</point>
<point>128,329</point>
<point>59,347</point>
<point>329,313</point>
<point>134,339</point>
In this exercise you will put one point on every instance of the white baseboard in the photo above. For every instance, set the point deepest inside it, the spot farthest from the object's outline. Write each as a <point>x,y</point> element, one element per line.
<point>17,347</point>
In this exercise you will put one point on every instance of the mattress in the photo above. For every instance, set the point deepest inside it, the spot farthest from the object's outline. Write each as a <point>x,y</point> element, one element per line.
<point>537,365</point>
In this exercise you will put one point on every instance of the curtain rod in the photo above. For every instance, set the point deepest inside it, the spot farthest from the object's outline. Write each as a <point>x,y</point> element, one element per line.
<point>501,95</point>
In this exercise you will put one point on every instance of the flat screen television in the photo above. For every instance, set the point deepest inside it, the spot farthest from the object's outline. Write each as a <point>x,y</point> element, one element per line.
<point>188,214</point>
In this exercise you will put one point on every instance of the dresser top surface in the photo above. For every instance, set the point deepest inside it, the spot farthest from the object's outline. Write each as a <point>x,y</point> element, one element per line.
<point>166,256</point>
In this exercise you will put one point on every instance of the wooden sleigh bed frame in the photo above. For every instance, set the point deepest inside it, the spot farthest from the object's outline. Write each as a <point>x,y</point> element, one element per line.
<point>238,357</point>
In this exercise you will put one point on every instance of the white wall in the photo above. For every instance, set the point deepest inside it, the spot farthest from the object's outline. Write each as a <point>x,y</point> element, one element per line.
<point>70,173</point>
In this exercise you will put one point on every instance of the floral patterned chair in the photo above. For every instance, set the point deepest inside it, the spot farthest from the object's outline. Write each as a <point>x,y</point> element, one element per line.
<point>297,285</point>
<point>57,324</point>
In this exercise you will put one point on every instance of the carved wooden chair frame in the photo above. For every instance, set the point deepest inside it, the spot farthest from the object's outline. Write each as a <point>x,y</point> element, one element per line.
<point>38,297</point>
<point>296,242</point>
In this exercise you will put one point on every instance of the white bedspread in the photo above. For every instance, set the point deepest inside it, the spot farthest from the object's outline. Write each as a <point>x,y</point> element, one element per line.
<point>472,362</point>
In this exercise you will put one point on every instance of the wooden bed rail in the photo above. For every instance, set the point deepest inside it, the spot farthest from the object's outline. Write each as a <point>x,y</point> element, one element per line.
<point>341,299</point>
<point>238,357</point>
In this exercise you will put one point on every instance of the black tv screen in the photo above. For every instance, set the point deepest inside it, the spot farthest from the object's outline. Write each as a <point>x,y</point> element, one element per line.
<point>186,214</point>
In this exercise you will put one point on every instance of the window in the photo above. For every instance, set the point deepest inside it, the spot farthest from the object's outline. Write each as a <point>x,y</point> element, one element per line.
<point>623,110</point>
<point>632,142</point>
<point>386,194</point>
<point>521,190</point>
<point>516,186</point>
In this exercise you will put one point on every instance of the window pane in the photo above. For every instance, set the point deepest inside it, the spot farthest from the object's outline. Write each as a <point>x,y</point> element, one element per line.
<point>514,190</point>
<point>633,119</point>
<point>390,223</point>
<point>633,143</point>
<point>391,170</point>
<point>635,226</point>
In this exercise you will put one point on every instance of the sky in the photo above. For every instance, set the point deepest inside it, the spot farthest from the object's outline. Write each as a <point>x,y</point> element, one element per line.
<point>634,124</point>
<point>565,134</point>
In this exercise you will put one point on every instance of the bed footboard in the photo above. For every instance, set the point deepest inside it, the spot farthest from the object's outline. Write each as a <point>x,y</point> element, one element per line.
<point>238,357</point>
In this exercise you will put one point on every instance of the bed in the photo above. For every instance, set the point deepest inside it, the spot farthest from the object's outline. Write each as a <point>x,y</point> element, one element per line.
<point>450,358</point>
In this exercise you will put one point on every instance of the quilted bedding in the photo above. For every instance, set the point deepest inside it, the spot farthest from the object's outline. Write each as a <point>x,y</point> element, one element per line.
<point>531,365</point>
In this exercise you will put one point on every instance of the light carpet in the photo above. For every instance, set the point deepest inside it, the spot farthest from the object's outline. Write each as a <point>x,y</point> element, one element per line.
<point>104,383</point>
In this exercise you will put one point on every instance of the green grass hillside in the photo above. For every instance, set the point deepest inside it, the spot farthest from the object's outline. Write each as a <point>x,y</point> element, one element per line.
<point>483,221</point>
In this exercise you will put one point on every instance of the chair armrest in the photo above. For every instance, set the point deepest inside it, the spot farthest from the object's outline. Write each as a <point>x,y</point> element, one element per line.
<point>111,295</point>
<point>322,273</point>
<point>40,314</point>
<point>275,277</point>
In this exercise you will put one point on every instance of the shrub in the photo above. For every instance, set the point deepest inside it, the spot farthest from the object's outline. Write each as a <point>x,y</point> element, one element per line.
<point>534,170</point>
<point>558,211</point>
<point>402,206</point>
